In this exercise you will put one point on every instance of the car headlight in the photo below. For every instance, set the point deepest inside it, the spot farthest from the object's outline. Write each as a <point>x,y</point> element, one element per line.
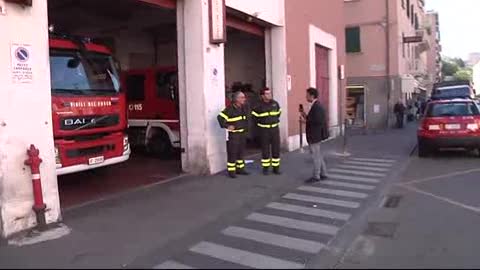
<point>58,161</point>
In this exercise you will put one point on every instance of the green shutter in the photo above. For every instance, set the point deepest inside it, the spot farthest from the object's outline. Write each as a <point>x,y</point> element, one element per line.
<point>352,35</point>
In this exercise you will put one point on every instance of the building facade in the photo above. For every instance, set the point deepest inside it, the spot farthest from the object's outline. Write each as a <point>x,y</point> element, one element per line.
<point>434,66</point>
<point>290,47</point>
<point>315,58</point>
<point>387,50</point>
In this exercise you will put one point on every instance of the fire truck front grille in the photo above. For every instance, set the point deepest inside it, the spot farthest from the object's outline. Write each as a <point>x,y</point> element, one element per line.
<point>89,122</point>
<point>91,151</point>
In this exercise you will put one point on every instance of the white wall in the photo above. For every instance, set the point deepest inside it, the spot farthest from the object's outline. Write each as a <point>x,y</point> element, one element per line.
<point>25,118</point>
<point>271,11</point>
<point>201,90</point>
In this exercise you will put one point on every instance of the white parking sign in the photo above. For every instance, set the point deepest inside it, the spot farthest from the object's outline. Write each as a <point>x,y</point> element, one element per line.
<point>21,55</point>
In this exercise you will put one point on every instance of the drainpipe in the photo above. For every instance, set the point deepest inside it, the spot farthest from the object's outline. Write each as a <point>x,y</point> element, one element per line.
<point>387,54</point>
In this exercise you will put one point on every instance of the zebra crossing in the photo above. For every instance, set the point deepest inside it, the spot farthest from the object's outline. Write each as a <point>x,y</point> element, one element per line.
<point>286,233</point>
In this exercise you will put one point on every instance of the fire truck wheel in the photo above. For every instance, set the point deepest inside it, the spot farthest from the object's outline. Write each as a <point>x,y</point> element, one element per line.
<point>160,145</point>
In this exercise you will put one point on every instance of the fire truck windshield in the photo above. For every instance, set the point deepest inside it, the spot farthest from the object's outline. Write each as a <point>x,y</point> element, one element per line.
<point>83,74</point>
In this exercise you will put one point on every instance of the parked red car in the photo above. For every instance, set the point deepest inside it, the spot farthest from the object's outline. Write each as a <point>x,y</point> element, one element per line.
<point>453,123</point>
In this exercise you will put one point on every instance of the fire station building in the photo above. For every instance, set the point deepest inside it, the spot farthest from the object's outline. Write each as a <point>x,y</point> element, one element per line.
<point>214,45</point>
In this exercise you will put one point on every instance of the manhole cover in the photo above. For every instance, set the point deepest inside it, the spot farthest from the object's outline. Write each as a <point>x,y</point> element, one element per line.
<point>392,201</point>
<point>382,229</point>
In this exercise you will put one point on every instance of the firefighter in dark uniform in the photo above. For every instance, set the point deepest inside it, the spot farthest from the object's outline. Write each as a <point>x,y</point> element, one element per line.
<point>234,118</point>
<point>267,116</point>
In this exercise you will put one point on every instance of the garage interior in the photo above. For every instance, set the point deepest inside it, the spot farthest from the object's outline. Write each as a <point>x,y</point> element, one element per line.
<point>245,65</point>
<point>142,35</point>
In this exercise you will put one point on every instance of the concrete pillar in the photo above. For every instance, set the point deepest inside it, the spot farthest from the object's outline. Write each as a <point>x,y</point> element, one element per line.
<point>25,118</point>
<point>201,90</point>
<point>278,62</point>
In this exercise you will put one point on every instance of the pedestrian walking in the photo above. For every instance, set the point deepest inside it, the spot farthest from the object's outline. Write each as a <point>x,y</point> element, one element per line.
<point>317,131</point>
<point>267,117</point>
<point>399,111</point>
<point>234,118</point>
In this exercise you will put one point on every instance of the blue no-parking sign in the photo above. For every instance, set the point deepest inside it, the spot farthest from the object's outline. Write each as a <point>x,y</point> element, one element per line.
<point>22,71</point>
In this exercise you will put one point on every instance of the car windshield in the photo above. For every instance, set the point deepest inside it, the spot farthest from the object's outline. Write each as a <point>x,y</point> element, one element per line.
<point>453,109</point>
<point>76,73</point>
<point>453,91</point>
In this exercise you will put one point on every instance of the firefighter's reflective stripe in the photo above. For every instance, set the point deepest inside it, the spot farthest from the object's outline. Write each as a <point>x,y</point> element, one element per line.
<point>266,162</point>
<point>254,113</point>
<point>231,167</point>
<point>224,116</point>
<point>268,126</point>
<point>240,164</point>
<point>275,162</point>
<point>233,119</point>
<point>237,131</point>
<point>276,113</point>
<point>266,114</point>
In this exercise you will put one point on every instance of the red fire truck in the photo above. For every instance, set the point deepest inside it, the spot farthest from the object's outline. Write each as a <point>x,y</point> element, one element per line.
<point>88,108</point>
<point>154,118</point>
<point>153,109</point>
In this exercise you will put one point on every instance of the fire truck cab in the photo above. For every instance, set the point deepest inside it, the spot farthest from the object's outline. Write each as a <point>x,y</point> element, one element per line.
<point>88,106</point>
<point>153,109</point>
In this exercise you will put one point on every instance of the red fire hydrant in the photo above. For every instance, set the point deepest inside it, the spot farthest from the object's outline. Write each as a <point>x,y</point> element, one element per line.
<point>39,206</point>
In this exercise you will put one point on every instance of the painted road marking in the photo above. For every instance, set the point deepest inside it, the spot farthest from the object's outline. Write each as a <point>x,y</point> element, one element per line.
<point>337,192</point>
<point>374,160</point>
<point>294,224</point>
<point>275,239</point>
<point>357,172</point>
<point>309,211</point>
<point>349,185</point>
<point>365,168</point>
<point>313,199</point>
<point>384,165</point>
<point>353,178</point>
<point>243,257</point>
<point>172,265</point>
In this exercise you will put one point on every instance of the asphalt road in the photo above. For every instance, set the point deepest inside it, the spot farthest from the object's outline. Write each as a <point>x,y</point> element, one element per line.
<point>435,224</point>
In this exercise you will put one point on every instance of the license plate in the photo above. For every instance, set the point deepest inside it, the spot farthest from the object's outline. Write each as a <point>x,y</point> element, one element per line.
<point>96,160</point>
<point>452,126</point>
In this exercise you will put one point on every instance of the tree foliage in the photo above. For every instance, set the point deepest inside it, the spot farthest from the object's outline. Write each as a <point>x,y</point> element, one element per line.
<point>457,68</point>
<point>465,74</point>
<point>449,68</point>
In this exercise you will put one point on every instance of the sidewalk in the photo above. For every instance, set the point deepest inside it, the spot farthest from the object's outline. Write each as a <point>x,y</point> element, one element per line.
<point>122,231</point>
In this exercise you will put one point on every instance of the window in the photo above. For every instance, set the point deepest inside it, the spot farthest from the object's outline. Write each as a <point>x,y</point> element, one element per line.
<point>417,26</point>
<point>136,87</point>
<point>72,72</point>
<point>452,109</point>
<point>408,9</point>
<point>353,43</point>
<point>412,10</point>
<point>166,85</point>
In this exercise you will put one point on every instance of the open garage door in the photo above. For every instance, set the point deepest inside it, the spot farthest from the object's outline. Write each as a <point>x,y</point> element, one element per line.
<point>141,35</point>
<point>245,64</point>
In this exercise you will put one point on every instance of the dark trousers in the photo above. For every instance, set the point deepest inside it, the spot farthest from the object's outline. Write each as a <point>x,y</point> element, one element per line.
<point>400,119</point>
<point>235,150</point>
<point>270,141</point>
